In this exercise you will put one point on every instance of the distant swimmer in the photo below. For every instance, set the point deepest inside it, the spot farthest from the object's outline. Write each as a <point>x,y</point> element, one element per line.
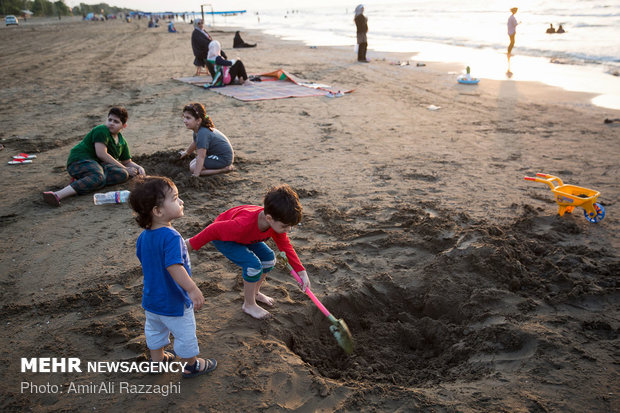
<point>551,29</point>
<point>560,29</point>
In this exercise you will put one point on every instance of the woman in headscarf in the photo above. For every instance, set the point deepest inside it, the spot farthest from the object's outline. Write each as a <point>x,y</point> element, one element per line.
<point>361,22</point>
<point>234,68</point>
<point>200,46</point>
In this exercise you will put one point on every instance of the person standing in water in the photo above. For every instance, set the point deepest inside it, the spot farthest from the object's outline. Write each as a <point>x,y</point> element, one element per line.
<point>512,29</point>
<point>361,22</point>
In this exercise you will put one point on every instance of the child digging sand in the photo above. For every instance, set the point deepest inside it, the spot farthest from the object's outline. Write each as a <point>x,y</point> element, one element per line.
<point>239,234</point>
<point>169,295</point>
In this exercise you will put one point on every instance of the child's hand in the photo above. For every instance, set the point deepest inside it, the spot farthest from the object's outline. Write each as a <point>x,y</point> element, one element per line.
<point>197,298</point>
<point>304,280</point>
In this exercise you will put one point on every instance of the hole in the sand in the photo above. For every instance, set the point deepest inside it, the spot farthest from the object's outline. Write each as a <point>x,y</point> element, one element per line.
<point>401,337</point>
<point>443,328</point>
<point>169,164</point>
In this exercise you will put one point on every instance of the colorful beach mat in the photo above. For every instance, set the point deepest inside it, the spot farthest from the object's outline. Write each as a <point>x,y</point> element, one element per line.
<point>273,85</point>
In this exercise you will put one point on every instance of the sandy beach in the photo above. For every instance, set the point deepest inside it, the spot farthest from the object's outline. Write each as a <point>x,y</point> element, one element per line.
<point>463,288</point>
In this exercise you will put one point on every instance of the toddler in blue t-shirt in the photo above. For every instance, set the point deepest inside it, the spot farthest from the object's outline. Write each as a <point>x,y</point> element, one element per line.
<point>169,295</point>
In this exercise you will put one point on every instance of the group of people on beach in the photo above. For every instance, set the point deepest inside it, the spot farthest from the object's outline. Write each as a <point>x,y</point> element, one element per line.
<point>208,53</point>
<point>361,23</point>
<point>103,158</point>
<point>169,295</point>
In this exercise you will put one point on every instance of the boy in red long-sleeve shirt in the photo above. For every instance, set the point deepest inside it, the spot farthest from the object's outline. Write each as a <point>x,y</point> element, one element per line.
<point>239,234</point>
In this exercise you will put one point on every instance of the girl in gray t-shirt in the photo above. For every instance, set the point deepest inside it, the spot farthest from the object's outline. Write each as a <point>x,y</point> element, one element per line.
<point>214,153</point>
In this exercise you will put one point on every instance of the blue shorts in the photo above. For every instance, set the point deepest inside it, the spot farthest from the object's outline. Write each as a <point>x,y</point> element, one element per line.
<point>255,259</point>
<point>157,329</point>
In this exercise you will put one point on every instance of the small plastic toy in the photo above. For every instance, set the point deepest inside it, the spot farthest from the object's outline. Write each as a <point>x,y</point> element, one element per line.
<point>467,79</point>
<point>570,196</point>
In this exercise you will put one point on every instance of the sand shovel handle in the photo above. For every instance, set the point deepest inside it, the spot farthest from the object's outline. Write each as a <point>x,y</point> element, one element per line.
<point>308,292</point>
<point>312,296</point>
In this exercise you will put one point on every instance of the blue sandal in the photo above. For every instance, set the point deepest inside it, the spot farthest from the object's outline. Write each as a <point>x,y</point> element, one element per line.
<point>210,365</point>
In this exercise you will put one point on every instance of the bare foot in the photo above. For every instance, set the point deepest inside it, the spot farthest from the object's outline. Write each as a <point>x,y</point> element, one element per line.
<point>255,311</point>
<point>265,299</point>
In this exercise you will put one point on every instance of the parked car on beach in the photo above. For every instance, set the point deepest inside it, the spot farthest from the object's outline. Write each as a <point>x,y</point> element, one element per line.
<point>10,19</point>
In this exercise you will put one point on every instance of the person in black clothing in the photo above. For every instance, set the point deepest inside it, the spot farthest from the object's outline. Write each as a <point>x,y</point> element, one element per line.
<point>550,29</point>
<point>238,42</point>
<point>200,47</point>
<point>561,29</point>
<point>361,22</point>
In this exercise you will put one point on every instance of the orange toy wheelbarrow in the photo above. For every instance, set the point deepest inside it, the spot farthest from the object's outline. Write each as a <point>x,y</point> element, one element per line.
<point>570,196</point>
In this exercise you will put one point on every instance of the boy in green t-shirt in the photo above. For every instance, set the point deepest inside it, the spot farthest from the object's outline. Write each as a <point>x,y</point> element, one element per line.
<point>102,158</point>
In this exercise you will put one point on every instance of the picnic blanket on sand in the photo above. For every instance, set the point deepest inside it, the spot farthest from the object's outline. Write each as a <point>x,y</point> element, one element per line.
<point>278,84</point>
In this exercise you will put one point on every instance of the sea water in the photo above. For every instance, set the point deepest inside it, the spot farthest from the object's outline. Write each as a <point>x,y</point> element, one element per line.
<point>471,33</point>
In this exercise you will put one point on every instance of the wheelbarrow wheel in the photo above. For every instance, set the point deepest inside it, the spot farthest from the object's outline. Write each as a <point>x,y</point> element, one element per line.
<point>600,213</point>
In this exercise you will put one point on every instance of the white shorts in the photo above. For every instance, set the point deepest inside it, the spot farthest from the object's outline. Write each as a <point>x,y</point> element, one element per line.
<point>157,329</point>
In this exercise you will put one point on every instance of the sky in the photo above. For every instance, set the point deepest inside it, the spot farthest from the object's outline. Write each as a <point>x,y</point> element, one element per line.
<point>218,5</point>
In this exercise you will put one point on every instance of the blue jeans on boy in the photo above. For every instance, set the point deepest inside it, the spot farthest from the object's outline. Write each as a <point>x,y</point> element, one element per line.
<point>255,259</point>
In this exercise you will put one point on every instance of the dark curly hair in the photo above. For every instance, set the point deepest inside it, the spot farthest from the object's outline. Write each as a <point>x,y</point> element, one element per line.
<point>147,192</point>
<point>198,111</point>
<point>282,203</point>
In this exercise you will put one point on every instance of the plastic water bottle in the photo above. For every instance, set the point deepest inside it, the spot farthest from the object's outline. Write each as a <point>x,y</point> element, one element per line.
<point>113,197</point>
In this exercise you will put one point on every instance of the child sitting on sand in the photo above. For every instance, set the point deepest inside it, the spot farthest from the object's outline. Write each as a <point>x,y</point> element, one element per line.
<point>239,234</point>
<point>169,295</point>
<point>102,158</point>
<point>214,153</point>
